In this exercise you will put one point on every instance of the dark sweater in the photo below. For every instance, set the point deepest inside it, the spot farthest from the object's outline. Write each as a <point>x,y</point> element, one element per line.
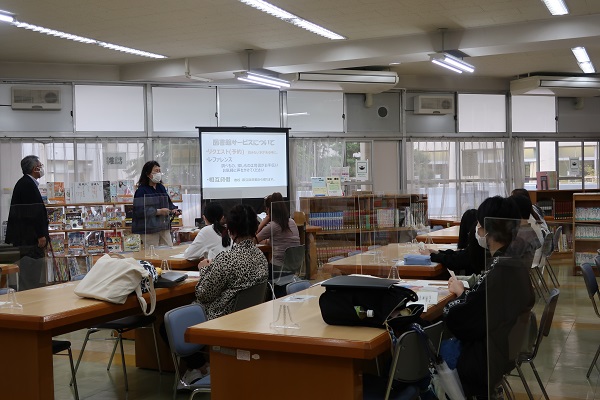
<point>145,203</point>
<point>482,317</point>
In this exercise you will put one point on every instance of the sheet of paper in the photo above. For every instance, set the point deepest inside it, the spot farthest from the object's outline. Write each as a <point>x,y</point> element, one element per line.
<point>193,274</point>
<point>427,297</point>
<point>178,256</point>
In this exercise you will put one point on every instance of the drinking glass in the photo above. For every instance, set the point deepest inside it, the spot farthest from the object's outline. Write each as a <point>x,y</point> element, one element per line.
<point>164,265</point>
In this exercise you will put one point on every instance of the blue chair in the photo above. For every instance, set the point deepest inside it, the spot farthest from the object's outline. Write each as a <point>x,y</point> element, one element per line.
<point>58,346</point>
<point>592,288</point>
<point>176,322</point>
<point>353,253</point>
<point>408,347</point>
<point>297,286</point>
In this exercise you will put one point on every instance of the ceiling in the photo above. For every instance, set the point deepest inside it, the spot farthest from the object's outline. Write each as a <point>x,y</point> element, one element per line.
<point>503,38</point>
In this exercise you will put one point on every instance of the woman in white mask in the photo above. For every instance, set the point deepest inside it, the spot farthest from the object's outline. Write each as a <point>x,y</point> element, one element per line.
<point>153,208</point>
<point>481,318</point>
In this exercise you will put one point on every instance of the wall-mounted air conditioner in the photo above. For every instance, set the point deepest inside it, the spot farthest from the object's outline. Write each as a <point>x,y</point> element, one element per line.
<point>348,81</point>
<point>429,104</point>
<point>29,98</point>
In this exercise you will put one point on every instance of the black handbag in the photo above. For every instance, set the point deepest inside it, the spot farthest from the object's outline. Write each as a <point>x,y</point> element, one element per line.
<point>366,301</point>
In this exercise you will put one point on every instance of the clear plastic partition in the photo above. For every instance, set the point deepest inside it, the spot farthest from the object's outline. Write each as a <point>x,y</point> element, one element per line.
<point>509,299</point>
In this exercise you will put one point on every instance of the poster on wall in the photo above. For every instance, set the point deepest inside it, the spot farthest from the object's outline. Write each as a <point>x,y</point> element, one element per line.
<point>362,170</point>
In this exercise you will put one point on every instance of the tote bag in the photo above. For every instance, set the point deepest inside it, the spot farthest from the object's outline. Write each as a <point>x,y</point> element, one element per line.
<point>114,279</point>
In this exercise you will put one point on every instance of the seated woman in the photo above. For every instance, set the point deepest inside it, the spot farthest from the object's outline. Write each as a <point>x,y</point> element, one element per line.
<point>233,270</point>
<point>212,239</point>
<point>482,317</point>
<point>468,256</point>
<point>278,229</point>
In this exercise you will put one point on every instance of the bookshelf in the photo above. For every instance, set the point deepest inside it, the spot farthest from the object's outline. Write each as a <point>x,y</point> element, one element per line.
<point>354,223</point>
<point>586,229</point>
<point>557,206</point>
<point>79,231</point>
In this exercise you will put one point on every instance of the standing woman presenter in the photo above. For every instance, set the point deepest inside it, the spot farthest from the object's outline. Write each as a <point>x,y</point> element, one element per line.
<point>153,208</point>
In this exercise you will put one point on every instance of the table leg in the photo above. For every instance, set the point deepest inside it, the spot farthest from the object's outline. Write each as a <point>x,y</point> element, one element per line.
<point>26,365</point>
<point>273,375</point>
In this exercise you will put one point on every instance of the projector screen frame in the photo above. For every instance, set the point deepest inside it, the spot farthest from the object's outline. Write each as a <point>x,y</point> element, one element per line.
<point>256,202</point>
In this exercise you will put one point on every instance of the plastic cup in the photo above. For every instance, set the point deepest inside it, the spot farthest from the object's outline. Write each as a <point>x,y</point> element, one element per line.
<point>164,265</point>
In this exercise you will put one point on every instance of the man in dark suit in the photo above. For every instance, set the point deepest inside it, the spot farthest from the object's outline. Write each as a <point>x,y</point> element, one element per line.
<point>28,224</point>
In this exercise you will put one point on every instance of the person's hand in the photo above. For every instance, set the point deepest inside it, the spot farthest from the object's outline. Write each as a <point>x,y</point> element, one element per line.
<point>162,211</point>
<point>176,212</point>
<point>456,286</point>
<point>427,252</point>
<point>42,242</point>
<point>203,263</point>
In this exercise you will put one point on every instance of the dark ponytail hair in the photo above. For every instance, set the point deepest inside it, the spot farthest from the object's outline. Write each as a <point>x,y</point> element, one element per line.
<point>213,212</point>
<point>242,221</point>
<point>279,211</point>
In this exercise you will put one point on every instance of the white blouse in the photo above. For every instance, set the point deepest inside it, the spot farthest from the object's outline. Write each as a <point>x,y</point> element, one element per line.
<point>206,244</point>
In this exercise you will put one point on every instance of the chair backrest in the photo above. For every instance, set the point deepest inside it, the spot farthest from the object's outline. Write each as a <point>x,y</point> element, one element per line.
<point>548,245</point>
<point>591,284</point>
<point>335,258</point>
<point>177,321</point>
<point>250,296</point>
<point>297,286</point>
<point>517,336</point>
<point>557,235</point>
<point>293,259</point>
<point>410,347</point>
<point>353,253</point>
<point>546,321</point>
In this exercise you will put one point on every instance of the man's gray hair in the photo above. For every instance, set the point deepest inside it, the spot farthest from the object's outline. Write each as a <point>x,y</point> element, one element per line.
<point>28,164</point>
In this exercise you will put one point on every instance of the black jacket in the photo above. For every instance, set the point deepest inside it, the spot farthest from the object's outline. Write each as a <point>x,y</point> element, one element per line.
<point>27,218</point>
<point>483,317</point>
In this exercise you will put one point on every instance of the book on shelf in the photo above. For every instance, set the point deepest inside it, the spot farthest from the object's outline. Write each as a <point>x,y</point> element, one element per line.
<point>114,217</point>
<point>128,215</point>
<point>125,191</point>
<point>319,186</point>
<point>174,192</point>
<point>76,243</point>
<point>132,242</point>
<point>55,192</point>
<point>94,242</point>
<point>114,242</point>
<point>44,192</point>
<point>334,186</point>
<point>93,217</point>
<point>57,241</point>
<point>582,257</point>
<point>74,218</point>
<point>547,207</point>
<point>56,218</point>
<point>109,191</point>
<point>58,270</point>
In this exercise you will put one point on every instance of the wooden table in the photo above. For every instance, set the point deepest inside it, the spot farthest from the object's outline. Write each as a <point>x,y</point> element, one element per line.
<point>447,222</point>
<point>378,262</point>
<point>271,363</point>
<point>168,253</point>
<point>446,235</point>
<point>26,335</point>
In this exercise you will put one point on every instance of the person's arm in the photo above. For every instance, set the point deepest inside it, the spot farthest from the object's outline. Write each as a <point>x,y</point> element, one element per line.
<point>212,280</point>
<point>466,318</point>
<point>264,233</point>
<point>198,248</point>
<point>263,223</point>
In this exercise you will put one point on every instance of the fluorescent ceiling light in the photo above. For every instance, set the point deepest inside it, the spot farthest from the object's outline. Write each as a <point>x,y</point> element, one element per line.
<point>292,19</point>
<point>8,17</point>
<point>260,79</point>
<point>452,63</point>
<point>583,60</point>
<point>556,7</point>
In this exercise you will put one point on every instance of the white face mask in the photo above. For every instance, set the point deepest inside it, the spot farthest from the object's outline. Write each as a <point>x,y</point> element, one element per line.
<point>156,177</point>
<point>41,171</point>
<point>481,239</point>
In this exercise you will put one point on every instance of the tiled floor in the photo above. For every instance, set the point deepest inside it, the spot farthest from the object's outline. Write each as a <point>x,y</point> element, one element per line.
<point>562,362</point>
